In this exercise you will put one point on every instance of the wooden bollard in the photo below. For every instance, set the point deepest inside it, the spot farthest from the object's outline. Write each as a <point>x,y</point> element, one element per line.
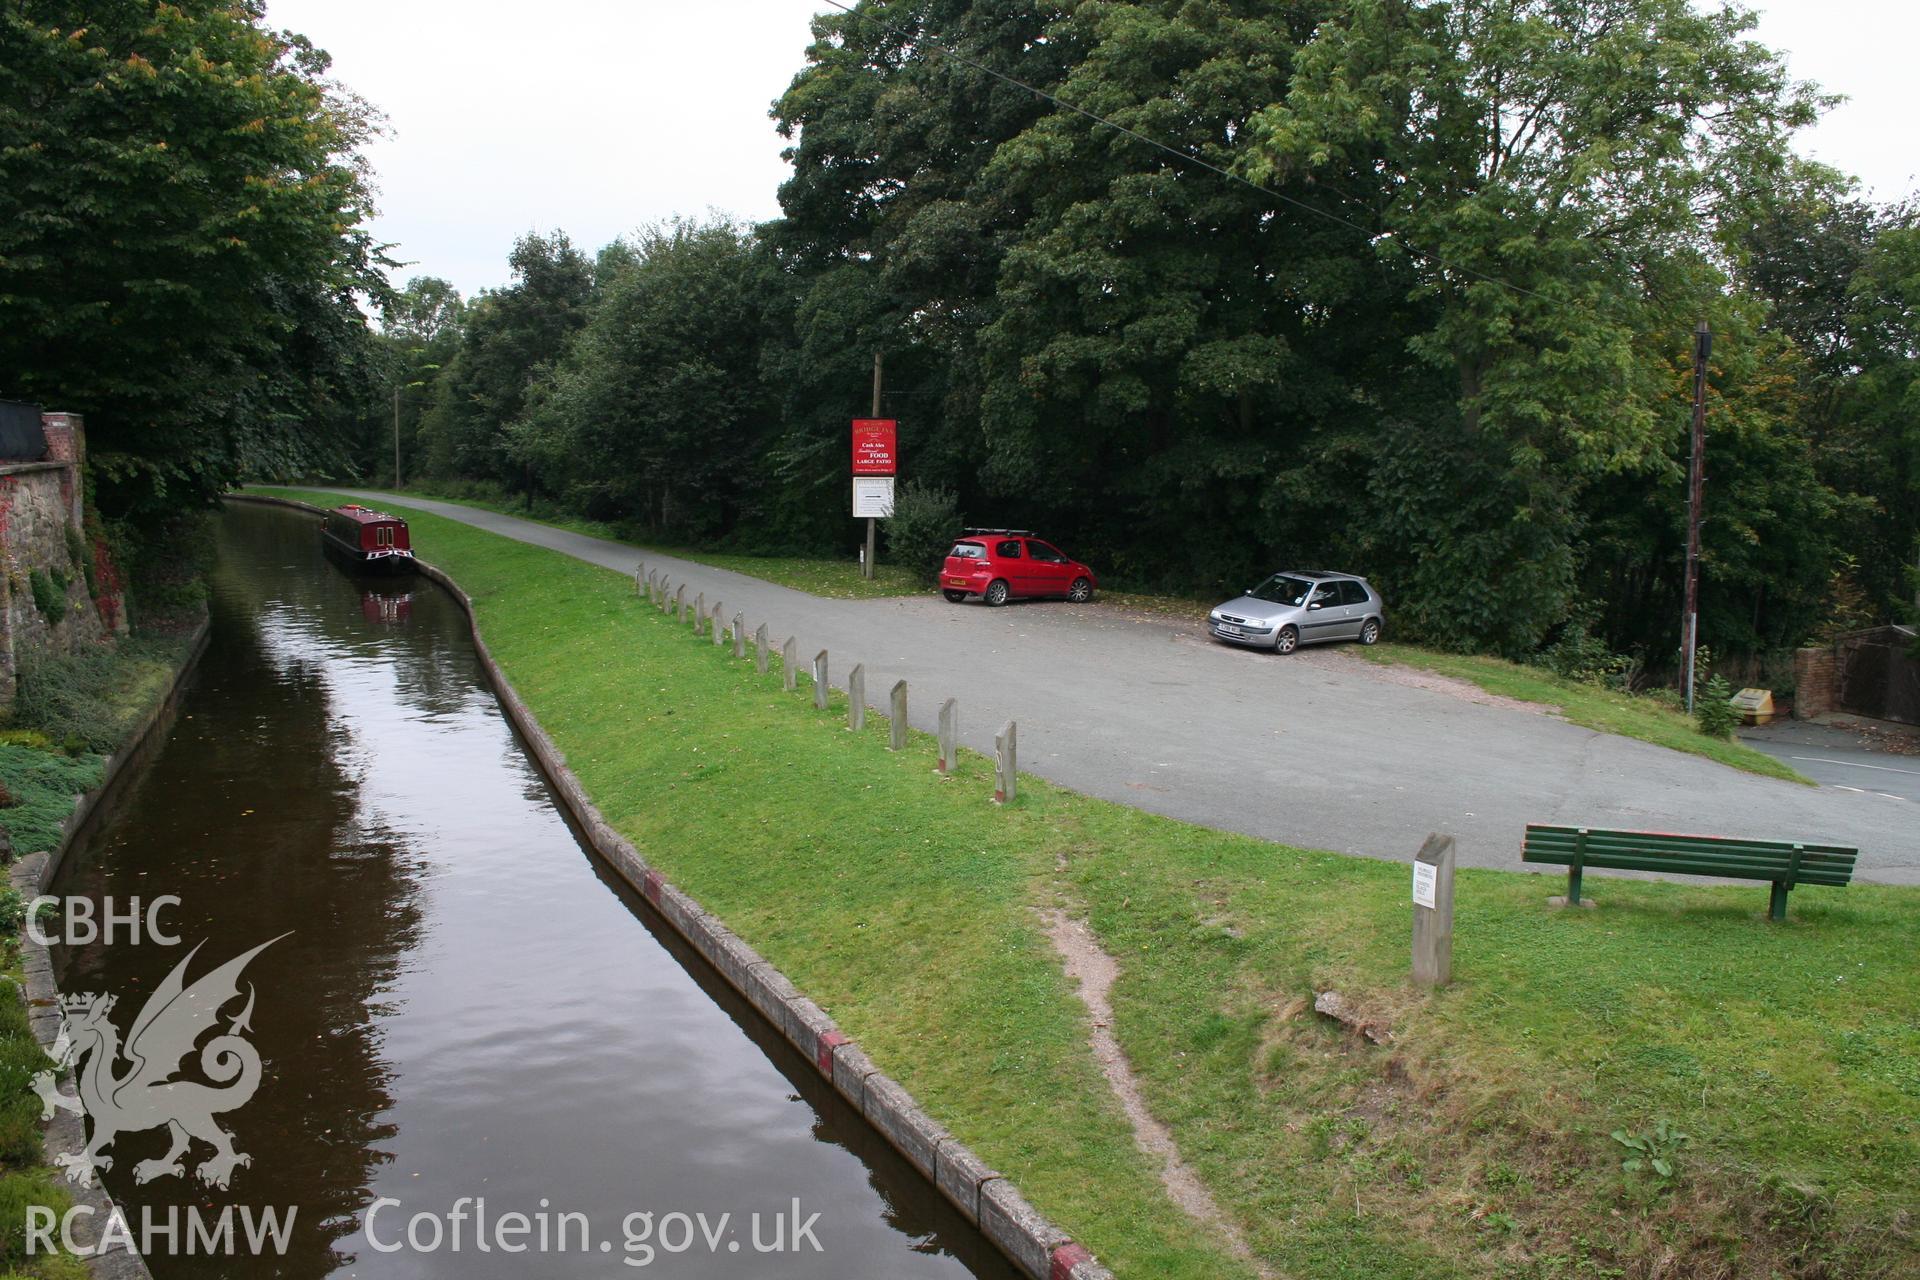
<point>897,708</point>
<point>640,579</point>
<point>1433,912</point>
<point>739,640</point>
<point>820,686</point>
<point>760,648</point>
<point>857,697</point>
<point>949,731</point>
<point>699,612</point>
<point>661,600</point>
<point>680,601</point>
<point>719,627</point>
<point>789,659</point>
<point>1006,753</point>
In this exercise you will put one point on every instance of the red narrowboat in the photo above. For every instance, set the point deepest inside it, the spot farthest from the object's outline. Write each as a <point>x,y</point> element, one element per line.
<point>367,539</point>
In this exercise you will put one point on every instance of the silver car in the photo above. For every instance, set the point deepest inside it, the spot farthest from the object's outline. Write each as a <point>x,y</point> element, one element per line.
<point>1301,606</point>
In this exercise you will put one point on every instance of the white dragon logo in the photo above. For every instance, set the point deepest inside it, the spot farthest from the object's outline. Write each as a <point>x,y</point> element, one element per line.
<point>146,1096</point>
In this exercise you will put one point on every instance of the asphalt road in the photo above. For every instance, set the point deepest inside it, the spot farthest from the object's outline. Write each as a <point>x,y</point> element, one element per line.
<point>1833,757</point>
<point>1320,749</point>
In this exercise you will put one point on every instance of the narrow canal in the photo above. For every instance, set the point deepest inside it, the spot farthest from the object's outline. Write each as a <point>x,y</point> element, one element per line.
<point>464,1015</point>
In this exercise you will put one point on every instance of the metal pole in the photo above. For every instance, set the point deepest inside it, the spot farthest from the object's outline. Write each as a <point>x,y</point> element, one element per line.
<point>1690,617</point>
<point>396,436</point>
<point>867,566</point>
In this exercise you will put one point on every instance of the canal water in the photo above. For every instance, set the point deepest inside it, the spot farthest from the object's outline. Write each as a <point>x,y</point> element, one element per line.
<point>461,1015</point>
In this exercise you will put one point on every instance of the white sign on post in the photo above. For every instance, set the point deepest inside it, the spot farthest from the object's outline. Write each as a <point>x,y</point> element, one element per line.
<point>872,497</point>
<point>1425,874</point>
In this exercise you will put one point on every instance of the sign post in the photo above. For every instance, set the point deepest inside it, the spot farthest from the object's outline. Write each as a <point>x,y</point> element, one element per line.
<point>1433,912</point>
<point>875,462</point>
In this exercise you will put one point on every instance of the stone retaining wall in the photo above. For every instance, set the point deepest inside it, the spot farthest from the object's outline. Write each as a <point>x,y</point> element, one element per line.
<point>43,532</point>
<point>987,1199</point>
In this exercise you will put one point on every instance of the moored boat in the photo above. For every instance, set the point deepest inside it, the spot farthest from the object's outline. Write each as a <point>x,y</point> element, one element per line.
<point>367,539</point>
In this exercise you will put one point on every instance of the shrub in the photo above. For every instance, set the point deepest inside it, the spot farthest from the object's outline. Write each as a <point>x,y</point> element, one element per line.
<point>1713,709</point>
<point>13,910</point>
<point>1578,654</point>
<point>90,701</point>
<point>925,519</point>
<point>49,594</point>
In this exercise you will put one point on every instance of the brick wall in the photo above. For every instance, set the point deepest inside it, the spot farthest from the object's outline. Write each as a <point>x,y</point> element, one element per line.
<point>1815,680</point>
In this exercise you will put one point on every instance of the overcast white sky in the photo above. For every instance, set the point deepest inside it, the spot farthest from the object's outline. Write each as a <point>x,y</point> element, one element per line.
<point>599,116</point>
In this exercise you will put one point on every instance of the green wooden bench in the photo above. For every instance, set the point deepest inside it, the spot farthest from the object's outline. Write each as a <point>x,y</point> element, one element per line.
<point>1785,863</point>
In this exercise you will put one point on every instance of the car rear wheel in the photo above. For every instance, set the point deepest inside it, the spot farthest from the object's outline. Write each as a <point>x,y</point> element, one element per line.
<point>1287,640</point>
<point>998,592</point>
<point>1370,633</point>
<point>1081,591</point>
<point>954,597</point>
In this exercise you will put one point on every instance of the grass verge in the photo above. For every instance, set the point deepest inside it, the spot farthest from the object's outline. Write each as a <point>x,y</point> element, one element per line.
<point>817,576</point>
<point>24,1181</point>
<point>1475,1142</point>
<point>70,712</point>
<point>1588,705</point>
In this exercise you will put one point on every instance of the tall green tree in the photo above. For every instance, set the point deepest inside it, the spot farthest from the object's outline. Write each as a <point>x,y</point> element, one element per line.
<point>1547,167</point>
<point>1842,281</point>
<point>511,338</point>
<point>657,415</point>
<point>182,241</point>
<point>420,327</point>
<point>892,235</point>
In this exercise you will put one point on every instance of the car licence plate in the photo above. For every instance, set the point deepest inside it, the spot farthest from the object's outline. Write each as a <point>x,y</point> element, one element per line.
<point>1226,630</point>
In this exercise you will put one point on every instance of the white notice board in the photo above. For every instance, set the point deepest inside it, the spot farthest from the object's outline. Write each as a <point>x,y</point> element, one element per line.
<point>872,497</point>
<point>1425,874</point>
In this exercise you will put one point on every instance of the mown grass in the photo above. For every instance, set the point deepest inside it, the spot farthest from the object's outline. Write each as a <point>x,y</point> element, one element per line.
<point>1474,1143</point>
<point>830,579</point>
<point>1588,705</point>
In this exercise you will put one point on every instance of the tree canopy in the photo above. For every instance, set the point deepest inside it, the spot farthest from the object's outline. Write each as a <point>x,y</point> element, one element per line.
<point>182,249</point>
<point>1404,287</point>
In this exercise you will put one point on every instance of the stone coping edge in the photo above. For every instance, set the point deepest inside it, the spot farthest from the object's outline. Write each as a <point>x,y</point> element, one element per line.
<point>986,1198</point>
<point>32,875</point>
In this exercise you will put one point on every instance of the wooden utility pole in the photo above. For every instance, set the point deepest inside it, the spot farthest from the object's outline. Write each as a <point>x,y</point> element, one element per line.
<point>1690,616</point>
<point>866,566</point>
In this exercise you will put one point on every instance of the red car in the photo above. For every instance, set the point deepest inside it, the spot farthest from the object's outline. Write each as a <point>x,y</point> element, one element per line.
<point>999,564</point>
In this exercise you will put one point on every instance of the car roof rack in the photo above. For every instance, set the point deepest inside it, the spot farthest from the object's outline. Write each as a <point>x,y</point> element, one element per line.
<point>1014,533</point>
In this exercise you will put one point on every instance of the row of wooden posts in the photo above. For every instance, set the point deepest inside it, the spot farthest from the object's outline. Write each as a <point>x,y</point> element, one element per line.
<point>653,586</point>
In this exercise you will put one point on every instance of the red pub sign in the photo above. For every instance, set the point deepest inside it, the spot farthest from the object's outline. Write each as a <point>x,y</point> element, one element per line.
<point>875,446</point>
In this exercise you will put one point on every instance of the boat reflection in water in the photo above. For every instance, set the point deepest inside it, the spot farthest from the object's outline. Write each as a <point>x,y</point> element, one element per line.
<point>388,607</point>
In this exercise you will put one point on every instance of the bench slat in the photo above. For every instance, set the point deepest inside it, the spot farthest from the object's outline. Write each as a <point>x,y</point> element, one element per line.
<point>1730,863</point>
<point>1598,843</point>
<point>1598,838</point>
<point>1671,867</point>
